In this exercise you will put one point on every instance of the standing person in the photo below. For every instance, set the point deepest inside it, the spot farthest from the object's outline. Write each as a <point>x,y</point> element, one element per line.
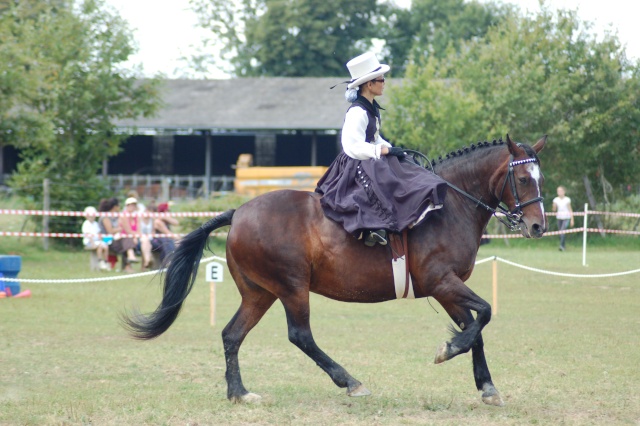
<point>562,205</point>
<point>92,239</point>
<point>367,189</point>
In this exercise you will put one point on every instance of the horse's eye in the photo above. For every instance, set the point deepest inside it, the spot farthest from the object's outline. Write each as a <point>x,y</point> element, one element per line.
<point>522,180</point>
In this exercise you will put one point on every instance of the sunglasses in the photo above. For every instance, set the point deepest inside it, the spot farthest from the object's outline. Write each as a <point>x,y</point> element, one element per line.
<point>381,80</point>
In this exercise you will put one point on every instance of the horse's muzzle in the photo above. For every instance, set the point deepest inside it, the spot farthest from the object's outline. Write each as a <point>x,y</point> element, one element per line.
<point>534,231</point>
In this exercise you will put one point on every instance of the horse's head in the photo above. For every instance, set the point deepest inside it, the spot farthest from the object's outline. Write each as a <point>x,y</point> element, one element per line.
<point>521,190</point>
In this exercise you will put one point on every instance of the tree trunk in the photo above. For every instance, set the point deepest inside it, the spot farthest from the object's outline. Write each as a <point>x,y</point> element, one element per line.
<point>592,203</point>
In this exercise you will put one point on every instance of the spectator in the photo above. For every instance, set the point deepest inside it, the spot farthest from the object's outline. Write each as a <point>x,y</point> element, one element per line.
<point>162,225</point>
<point>111,225</point>
<point>130,225</point>
<point>134,194</point>
<point>146,233</point>
<point>92,240</point>
<point>562,205</point>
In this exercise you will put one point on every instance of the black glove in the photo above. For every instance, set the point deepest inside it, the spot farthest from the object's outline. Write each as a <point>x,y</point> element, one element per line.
<point>397,152</point>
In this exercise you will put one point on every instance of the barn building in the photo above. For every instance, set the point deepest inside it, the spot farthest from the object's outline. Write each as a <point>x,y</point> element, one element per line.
<point>204,125</point>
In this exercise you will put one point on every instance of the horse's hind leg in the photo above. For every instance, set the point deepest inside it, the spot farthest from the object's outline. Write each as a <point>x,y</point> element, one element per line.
<point>255,303</point>
<point>297,310</point>
<point>481,374</point>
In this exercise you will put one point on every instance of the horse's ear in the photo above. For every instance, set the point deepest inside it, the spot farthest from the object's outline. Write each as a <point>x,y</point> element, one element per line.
<point>540,144</point>
<point>512,146</point>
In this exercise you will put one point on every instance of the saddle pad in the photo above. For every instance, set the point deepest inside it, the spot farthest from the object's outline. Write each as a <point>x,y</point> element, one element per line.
<point>401,276</point>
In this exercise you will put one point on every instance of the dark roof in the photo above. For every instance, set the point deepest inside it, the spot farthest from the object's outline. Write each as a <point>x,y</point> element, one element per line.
<point>247,104</point>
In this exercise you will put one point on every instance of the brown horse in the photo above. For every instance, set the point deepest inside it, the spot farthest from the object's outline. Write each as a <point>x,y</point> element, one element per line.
<point>281,246</point>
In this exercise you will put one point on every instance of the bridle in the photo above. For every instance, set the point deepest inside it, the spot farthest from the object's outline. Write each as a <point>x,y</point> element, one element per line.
<point>514,217</point>
<point>511,218</point>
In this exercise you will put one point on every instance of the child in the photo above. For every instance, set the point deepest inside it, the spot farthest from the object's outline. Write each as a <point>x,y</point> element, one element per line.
<point>92,240</point>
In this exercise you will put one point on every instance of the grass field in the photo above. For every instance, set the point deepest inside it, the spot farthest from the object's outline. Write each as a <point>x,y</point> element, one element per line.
<point>561,351</point>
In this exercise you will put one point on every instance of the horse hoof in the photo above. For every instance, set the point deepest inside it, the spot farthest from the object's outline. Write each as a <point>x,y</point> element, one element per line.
<point>359,391</point>
<point>247,398</point>
<point>442,353</point>
<point>491,396</point>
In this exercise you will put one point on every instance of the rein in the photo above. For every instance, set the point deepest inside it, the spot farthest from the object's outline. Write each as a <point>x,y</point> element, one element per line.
<point>511,218</point>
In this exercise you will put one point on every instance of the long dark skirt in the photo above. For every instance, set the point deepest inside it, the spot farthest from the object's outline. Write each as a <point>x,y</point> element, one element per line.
<point>378,194</point>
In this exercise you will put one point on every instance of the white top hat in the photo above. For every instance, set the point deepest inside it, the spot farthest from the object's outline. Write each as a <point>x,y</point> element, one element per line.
<point>365,68</point>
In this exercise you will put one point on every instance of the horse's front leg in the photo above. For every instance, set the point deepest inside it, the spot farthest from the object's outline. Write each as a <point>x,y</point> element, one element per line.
<point>458,300</point>
<point>296,306</point>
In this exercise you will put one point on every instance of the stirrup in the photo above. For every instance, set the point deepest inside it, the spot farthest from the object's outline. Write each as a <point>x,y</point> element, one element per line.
<point>379,236</point>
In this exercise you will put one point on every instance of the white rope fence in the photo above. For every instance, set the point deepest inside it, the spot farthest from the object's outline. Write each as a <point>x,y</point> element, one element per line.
<point>495,259</point>
<point>101,279</point>
<point>478,262</point>
<point>559,274</point>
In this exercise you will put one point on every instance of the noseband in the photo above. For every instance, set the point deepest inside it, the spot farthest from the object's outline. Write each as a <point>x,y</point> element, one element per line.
<point>511,218</point>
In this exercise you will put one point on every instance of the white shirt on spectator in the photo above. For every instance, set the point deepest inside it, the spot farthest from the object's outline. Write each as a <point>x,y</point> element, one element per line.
<point>90,228</point>
<point>563,204</point>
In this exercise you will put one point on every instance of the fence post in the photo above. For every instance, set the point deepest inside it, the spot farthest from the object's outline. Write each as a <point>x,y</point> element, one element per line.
<point>165,188</point>
<point>46,205</point>
<point>584,235</point>
<point>494,304</point>
<point>207,165</point>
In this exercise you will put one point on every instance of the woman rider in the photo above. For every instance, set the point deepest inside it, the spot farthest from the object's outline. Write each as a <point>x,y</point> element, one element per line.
<point>367,189</point>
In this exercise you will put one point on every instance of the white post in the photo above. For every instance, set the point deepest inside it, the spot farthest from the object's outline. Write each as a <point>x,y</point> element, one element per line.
<point>494,286</point>
<point>207,166</point>
<point>584,235</point>
<point>46,206</point>
<point>213,274</point>
<point>212,303</point>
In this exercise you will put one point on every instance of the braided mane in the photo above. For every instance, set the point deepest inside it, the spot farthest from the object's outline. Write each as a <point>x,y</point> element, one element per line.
<point>466,150</point>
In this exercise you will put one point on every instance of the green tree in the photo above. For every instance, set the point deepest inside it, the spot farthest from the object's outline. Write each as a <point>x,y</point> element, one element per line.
<point>311,38</point>
<point>546,74</point>
<point>429,27</point>
<point>431,113</point>
<point>64,91</point>
<point>288,37</point>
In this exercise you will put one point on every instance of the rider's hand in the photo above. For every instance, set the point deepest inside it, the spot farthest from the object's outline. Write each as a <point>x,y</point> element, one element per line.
<point>397,152</point>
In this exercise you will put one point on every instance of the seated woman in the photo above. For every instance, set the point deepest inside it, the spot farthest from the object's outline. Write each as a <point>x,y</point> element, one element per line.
<point>111,225</point>
<point>162,225</point>
<point>146,226</point>
<point>131,224</point>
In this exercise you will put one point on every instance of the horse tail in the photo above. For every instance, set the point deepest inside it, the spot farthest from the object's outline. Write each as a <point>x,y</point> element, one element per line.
<point>178,281</point>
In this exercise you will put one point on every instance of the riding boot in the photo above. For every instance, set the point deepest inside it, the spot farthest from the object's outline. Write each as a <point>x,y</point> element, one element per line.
<point>379,236</point>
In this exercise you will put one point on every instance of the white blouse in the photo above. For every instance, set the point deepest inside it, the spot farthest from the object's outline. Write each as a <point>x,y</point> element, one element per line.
<point>354,134</point>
